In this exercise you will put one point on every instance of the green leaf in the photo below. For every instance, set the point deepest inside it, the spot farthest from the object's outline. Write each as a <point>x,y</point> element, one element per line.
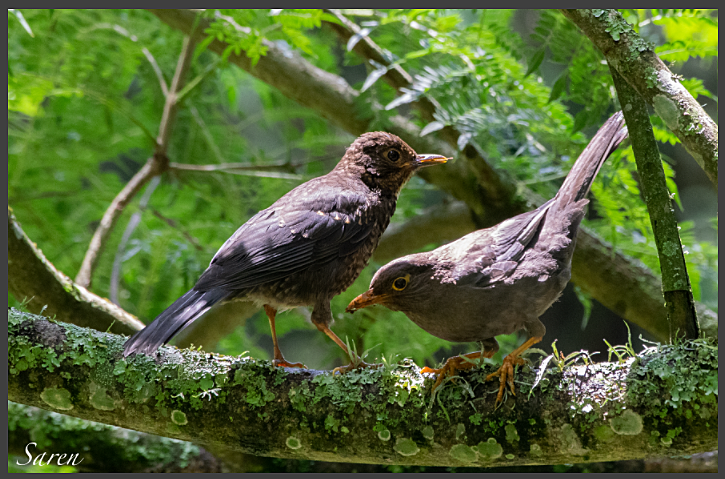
<point>535,61</point>
<point>559,87</point>
<point>580,120</point>
<point>22,21</point>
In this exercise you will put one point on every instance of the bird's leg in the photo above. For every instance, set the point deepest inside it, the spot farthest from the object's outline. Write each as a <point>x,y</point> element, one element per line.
<point>278,360</point>
<point>353,363</point>
<point>456,363</point>
<point>506,371</point>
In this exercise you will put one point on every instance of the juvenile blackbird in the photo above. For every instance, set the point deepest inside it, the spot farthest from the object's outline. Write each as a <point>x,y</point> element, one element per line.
<point>496,280</point>
<point>307,247</point>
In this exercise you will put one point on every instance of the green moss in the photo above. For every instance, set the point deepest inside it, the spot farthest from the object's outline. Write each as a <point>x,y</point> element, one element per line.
<point>463,453</point>
<point>535,450</point>
<point>99,398</point>
<point>604,433</point>
<point>384,435</point>
<point>511,434</point>
<point>406,447</point>
<point>569,440</point>
<point>629,423</point>
<point>332,423</point>
<point>428,432</point>
<point>256,385</point>
<point>57,398</point>
<point>489,450</point>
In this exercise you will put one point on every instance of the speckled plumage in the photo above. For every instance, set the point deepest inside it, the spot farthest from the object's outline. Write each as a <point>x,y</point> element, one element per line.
<point>307,247</point>
<point>497,280</point>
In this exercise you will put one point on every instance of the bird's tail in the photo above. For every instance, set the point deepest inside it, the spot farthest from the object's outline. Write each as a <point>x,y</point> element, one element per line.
<point>176,317</point>
<point>579,180</point>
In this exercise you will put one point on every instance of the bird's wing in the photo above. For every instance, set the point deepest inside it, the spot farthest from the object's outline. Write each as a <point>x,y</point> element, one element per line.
<point>306,229</point>
<point>498,250</point>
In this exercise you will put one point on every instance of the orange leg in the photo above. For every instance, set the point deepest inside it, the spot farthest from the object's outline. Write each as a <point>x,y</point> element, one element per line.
<point>343,369</point>
<point>456,363</point>
<point>278,358</point>
<point>506,371</point>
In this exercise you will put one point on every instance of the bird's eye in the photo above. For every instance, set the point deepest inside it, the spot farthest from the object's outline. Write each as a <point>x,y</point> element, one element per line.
<point>400,283</point>
<point>393,155</point>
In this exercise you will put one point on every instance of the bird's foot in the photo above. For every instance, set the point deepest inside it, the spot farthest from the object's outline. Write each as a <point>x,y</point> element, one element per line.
<point>282,363</point>
<point>450,367</point>
<point>353,366</point>
<point>506,375</point>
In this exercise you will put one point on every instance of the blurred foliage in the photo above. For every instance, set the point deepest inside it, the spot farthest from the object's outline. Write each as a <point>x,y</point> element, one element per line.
<point>84,104</point>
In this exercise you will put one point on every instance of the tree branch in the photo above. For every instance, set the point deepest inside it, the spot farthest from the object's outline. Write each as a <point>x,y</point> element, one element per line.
<point>618,282</point>
<point>31,275</point>
<point>639,65</point>
<point>592,412</point>
<point>100,448</point>
<point>155,165</point>
<point>111,449</point>
<point>675,280</point>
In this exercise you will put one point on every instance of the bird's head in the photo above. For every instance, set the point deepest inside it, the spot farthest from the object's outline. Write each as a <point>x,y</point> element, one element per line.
<point>399,285</point>
<point>384,161</point>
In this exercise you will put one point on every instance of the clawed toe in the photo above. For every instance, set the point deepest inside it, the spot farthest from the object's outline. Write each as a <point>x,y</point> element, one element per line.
<point>282,363</point>
<point>506,376</point>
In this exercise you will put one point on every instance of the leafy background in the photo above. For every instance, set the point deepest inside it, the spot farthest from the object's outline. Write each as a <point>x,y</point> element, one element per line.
<point>525,87</point>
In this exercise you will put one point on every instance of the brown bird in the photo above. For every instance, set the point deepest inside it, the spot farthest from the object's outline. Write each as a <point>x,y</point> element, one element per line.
<point>309,246</point>
<point>496,280</point>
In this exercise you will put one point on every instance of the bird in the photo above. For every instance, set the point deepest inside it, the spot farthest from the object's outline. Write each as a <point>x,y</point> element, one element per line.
<point>306,248</point>
<point>496,280</point>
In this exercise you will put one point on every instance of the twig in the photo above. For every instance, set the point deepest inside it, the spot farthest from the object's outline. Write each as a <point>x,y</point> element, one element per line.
<point>119,29</point>
<point>31,275</point>
<point>233,166</point>
<point>130,228</point>
<point>675,281</point>
<point>207,134</point>
<point>639,65</point>
<point>157,70</point>
<point>171,106</point>
<point>110,217</point>
<point>154,166</point>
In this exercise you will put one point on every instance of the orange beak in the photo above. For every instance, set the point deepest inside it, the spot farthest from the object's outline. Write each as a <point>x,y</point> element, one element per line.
<point>364,300</point>
<point>428,160</point>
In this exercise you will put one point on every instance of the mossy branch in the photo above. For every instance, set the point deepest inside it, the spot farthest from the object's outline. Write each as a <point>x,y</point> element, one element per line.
<point>33,280</point>
<point>662,402</point>
<point>639,65</point>
<point>680,305</point>
<point>100,447</point>
<point>620,283</point>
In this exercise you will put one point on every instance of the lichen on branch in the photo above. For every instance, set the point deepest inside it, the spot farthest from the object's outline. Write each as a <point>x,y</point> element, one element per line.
<point>643,406</point>
<point>635,59</point>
